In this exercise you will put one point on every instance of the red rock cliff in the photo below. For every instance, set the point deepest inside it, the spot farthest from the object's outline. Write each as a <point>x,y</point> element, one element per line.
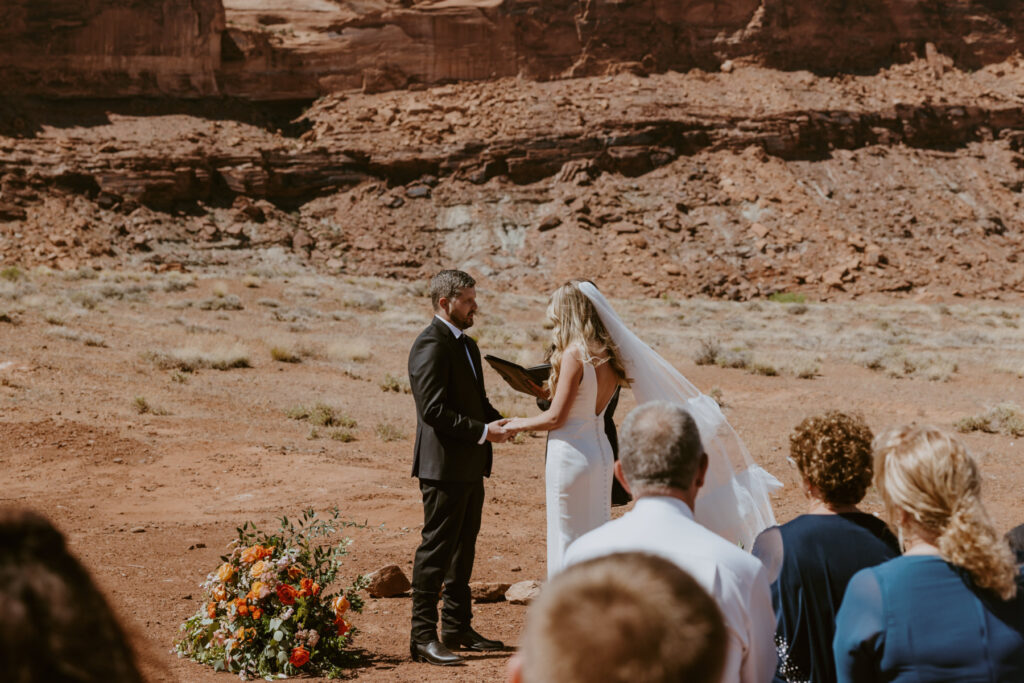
<point>110,48</point>
<point>298,49</point>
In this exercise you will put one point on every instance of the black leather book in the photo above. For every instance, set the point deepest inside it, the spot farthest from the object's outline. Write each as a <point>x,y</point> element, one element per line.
<point>517,376</point>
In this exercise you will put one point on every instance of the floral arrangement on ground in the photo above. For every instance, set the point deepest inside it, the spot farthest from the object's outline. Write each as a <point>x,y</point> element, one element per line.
<point>266,611</point>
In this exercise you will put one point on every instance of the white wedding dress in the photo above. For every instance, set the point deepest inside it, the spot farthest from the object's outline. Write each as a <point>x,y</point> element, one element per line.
<point>577,473</point>
<point>735,501</point>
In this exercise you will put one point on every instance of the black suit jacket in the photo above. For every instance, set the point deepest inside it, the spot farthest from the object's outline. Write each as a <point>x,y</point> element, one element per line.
<point>451,408</point>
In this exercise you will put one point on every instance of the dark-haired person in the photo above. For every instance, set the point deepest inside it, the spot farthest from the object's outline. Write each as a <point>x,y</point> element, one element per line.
<point>814,556</point>
<point>55,625</point>
<point>623,618</point>
<point>455,425</point>
<point>949,609</point>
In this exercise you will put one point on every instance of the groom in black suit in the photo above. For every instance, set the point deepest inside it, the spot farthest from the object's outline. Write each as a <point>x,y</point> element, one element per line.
<point>455,425</point>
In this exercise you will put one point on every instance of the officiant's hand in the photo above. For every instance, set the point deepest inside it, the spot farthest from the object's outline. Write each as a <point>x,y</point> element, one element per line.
<point>496,431</point>
<point>538,390</point>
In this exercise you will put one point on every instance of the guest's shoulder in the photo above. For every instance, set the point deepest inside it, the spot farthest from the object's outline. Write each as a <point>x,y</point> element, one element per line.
<point>604,540</point>
<point>730,556</point>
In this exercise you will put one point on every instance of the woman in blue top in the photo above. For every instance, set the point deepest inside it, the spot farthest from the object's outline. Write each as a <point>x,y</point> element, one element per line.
<point>812,557</point>
<point>949,609</point>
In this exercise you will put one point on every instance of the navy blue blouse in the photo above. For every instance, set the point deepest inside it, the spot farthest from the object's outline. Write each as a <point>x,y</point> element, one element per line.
<point>814,557</point>
<point>919,619</point>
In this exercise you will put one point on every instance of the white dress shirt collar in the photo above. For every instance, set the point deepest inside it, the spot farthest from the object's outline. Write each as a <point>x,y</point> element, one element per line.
<point>456,331</point>
<point>663,504</point>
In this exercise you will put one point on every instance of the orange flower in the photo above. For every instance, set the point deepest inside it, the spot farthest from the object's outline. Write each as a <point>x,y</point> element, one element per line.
<point>240,634</point>
<point>286,594</point>
<point>225,572</point>
<point>219,594</point>
<point>253,594</point>
<point>343,626</point>
<point>300,656</point>
<point>340,605</point>
<point>309,588</point>
<point>239,603</point>
<point>211,610</point>
<point>253,553</point>
<point>294,572</point>
<point>258,568</point>
<point>257,613</point>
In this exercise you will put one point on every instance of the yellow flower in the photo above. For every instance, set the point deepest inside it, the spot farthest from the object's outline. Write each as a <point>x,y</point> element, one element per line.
<point>340,605</point>
<point>258,568</point>
<point>225,572</point>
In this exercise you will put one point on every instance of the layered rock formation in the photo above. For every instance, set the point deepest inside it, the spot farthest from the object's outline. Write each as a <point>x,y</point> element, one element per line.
<point>302,49</point>
<point>732,184</point>
<point>103,48</point>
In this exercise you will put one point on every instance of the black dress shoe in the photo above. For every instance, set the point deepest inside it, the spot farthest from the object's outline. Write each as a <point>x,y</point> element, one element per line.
<point>433,652</point>
<point>470,640</point>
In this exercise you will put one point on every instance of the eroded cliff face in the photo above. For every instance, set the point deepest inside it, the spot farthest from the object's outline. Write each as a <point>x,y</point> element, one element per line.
<point>302,49</point>
<point>104,48</point>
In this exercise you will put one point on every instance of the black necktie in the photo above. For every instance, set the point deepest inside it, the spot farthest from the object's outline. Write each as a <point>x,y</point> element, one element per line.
<point>464,341</point>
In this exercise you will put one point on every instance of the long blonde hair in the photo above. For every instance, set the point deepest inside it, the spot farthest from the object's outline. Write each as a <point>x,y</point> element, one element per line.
<point>576,322</point>
<point>931,476</point>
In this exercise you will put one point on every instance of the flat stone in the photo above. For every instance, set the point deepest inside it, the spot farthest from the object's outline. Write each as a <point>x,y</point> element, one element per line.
<point>483,591</point>
<point>387,582</point>
<point>758,229</point>
<point>523,593</point>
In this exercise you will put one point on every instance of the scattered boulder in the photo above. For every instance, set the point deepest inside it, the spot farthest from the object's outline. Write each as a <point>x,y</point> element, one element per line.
<point>549,223</point>
<point>387,582</point>
<point>523,593</point>
<point>302,241</point>
<point>488,591</point>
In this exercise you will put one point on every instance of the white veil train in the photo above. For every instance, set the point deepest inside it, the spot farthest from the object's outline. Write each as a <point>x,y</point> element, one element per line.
<point>734,500</point>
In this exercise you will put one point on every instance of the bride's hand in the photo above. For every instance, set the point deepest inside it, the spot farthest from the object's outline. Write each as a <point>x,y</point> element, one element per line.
<point>515,425</point>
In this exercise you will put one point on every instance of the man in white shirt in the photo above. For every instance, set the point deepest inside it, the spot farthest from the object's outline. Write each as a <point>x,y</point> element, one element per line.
<point>662,463</point>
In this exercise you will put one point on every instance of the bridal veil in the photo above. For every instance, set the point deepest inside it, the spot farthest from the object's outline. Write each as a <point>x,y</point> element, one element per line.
<point>734,501</point>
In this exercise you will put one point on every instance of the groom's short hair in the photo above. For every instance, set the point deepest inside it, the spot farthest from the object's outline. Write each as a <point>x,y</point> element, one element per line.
<point>659,447</point>
<point>621,618</point>
<point>448,284</point>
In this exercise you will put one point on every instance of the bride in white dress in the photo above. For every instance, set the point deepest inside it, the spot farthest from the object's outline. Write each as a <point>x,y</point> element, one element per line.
<point>585,372</point>
<point>594,352</point>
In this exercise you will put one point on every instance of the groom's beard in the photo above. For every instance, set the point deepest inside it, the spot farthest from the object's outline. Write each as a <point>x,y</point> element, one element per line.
<point>463,323</point>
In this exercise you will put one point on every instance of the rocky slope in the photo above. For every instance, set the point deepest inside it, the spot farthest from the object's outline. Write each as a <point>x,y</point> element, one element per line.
<point>735,184</point>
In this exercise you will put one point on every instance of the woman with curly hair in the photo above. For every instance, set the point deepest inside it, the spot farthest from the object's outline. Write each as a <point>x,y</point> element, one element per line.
<point>814,556</point>
<point>948,609</point>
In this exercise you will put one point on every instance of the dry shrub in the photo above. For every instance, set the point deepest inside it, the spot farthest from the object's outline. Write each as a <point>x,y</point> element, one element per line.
<point>190,359</point>
<point>1005,418</point>
<point>11,273</point>
<point>367,301</point>
<point>387,432</point>
<point>86,338</point>
<point>284,354</point>
<point>349,350</point>
<point>321,415</point>
<point>399,385</point>
<point>229,302</point>
<point>142,407</point>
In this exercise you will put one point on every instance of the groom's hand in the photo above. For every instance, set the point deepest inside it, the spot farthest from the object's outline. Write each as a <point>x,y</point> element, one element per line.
<point>496,431</point>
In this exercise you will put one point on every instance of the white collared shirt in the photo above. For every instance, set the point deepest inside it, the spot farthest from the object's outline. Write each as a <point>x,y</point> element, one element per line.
<point>737,580</point>
<point>458,333</point>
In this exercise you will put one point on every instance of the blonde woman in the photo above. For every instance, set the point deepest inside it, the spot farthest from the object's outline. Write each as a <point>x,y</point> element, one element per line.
<point>585,372</point>
<point>949,608</point>
<point>594,353</point>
